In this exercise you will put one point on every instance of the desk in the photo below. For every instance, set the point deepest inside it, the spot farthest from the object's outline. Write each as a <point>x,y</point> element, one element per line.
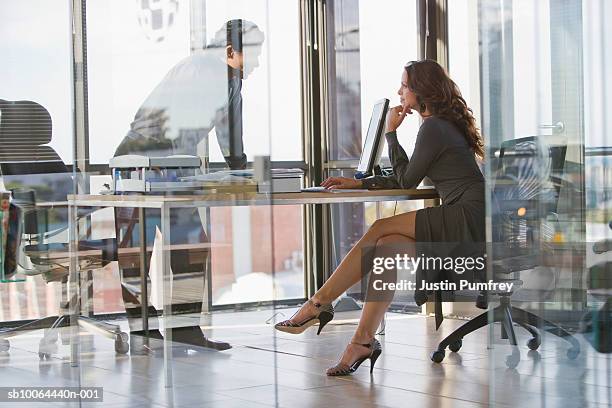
<point>166,203</point>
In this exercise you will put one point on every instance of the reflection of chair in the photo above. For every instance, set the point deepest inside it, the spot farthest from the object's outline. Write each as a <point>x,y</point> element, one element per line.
<point>525,196</point>
<point>40,182</point>
<point>596,325</point>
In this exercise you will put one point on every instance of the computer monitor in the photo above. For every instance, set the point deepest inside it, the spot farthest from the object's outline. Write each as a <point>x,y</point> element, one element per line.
<point>373,145</point>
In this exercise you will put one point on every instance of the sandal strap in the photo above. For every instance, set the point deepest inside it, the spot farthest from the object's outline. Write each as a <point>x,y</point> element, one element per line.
<point>368,345</point>
<point>339,368</point>
<point>292,323</point>
<point>288,323</point>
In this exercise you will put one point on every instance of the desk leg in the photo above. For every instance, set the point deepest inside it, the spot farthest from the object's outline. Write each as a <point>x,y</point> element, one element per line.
<point>166,294</point>
<point>144,295</point>
<point>73,286</point>
<point>207,298</point>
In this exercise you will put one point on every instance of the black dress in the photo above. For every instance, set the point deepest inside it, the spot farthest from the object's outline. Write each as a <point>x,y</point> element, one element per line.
<point>441,153</point>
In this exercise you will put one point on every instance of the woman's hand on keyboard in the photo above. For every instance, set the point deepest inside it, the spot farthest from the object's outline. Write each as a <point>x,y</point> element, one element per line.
<point>333,183</point>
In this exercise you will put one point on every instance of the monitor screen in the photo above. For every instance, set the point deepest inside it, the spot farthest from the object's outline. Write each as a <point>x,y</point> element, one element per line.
<point>370,155</point>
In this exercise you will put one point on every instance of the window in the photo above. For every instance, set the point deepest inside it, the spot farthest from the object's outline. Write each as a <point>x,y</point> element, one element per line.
<point>47,93</point>
<point>160,83</point>
<point>28,50</point>
<point>368,48</point>
<point>366,64</point>
<point>130,53</point>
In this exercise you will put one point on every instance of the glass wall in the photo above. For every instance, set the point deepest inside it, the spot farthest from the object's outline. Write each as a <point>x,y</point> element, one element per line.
<point>129,48</point>
<point>141,57</point>
<point>36,144</point>
<point>184,111</point>
<point>533,73</point>
<point>173,98</point>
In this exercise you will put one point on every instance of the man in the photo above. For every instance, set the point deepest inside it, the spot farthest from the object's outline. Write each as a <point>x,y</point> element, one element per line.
<point>201,92</point>
<point>200,95</point>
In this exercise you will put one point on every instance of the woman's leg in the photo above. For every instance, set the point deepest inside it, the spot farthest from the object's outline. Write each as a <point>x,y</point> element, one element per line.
<point>374,309</point>
<point>376,304</point>
<point>349,271</point>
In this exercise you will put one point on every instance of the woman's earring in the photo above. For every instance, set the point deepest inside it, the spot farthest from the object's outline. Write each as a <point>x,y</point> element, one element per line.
<point>423,108</point>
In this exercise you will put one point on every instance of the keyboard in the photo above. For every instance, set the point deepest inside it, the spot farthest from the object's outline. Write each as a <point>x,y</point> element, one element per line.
<point>316,189</point>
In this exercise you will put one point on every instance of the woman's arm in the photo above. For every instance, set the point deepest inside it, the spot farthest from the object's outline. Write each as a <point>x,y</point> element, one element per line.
<point>409,173</point>
<point>380,183</point>
<point>397,154</point>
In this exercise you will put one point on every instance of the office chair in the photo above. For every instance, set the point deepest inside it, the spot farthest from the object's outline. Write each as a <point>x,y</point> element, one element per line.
<point>596,325</point>
<point>525,197</point>
<point>35,173</point>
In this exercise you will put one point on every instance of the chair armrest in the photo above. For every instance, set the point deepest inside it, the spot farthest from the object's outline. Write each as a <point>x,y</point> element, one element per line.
<point>603,246</point>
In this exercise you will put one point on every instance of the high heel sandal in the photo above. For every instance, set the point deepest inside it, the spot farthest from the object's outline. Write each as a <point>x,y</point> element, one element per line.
<point>345,369</point>
<point>325,315</point>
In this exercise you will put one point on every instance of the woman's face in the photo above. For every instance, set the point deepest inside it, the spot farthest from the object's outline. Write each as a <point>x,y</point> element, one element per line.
<point>407,97</point>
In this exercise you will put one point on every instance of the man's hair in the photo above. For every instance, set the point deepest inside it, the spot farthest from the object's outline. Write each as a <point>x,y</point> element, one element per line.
<point>237,33</point>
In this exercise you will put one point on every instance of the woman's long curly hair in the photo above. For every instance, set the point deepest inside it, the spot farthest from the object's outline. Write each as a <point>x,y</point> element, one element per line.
<point>435,90</point>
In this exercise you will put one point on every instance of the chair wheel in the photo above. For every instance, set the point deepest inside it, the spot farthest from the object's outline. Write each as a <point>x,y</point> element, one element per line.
<point>455,346</point>
<point>512,362</point>
<point>437,356</point>
<point>482,302</point>
<point>533,343</point>
<point>573,353</point>
<point>121,343</point>
<point>46,348</point>
<point>5,345</point>
<point>122,347</point>
<point>513,359</point>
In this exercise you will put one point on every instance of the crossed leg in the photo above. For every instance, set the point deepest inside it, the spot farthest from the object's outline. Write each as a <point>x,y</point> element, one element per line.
<point>399,227</point>
<point>377,302</point>
<point>384,233</point>
<point>385,236</point>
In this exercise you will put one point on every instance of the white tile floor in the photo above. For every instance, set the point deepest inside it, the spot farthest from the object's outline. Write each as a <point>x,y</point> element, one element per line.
<point>269,368</point>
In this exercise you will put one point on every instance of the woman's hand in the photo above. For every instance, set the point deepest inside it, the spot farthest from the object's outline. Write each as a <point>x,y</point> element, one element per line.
<point>333,183</point>
<point>395,117</point>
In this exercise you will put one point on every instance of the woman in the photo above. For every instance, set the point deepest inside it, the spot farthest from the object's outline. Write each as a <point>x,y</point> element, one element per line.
<point>445,151</point>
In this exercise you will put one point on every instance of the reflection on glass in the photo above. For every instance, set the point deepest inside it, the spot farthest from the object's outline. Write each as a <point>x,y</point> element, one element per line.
<point>259,254</point>
<point>36,130</point>
<point>540,74</point>
<point>201,92</point>
<point>184,77</point>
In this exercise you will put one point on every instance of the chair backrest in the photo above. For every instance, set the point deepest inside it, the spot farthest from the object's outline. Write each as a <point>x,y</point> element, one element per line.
<point>29,167</point>
<point>25,130</point>
<point>525,190</point>
<point>534,164</point>
<point>26,161</point>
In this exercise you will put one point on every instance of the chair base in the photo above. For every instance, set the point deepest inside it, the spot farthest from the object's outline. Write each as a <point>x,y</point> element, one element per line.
<point>52,326</point>
<point>507,315</point>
